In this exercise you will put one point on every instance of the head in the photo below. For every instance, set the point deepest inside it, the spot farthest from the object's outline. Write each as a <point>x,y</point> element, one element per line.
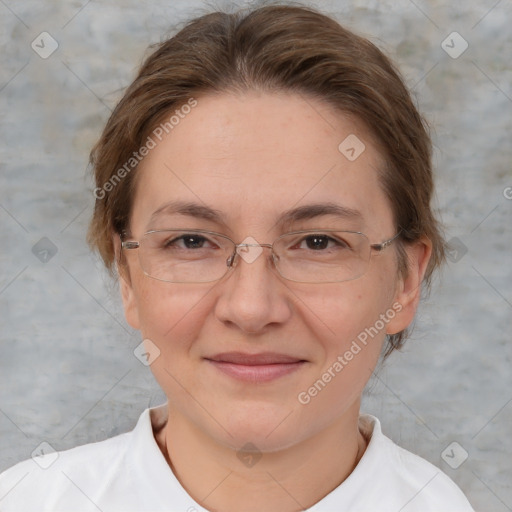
<point>246,115</point>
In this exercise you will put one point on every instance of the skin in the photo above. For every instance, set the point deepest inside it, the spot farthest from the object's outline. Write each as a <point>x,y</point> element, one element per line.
<point>253,156</point>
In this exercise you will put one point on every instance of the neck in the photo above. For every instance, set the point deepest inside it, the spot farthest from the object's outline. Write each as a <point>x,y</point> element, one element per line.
<point>291,479</point>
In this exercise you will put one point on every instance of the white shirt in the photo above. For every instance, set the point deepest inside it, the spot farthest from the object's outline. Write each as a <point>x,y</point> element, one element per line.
<point>128,473</point>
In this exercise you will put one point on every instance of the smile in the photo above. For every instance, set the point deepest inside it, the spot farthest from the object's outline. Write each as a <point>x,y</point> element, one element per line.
<point>255,368</point>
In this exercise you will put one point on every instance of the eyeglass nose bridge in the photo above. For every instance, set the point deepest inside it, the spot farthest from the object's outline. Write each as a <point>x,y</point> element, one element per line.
<point>230,261</point>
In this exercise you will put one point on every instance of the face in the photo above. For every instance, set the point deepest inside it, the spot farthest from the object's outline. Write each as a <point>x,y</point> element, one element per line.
<point>239,357</point>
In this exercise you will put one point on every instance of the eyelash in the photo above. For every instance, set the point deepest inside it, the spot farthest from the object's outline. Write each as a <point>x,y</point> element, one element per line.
<point>169,243</point>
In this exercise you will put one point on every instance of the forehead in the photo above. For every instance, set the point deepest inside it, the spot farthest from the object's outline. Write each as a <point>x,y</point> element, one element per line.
<point>255,155</point>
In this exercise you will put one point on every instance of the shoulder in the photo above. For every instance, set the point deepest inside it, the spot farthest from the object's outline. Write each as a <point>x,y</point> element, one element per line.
<point>418,484</point>
<point>389,478</point>
<point>57,477</point>
<point>126,473</point>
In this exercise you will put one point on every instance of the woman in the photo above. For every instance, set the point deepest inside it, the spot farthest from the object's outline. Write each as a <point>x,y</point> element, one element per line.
<point>263,193</point>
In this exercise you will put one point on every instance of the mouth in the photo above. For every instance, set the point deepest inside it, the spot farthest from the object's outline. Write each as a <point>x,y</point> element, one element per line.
<point>263,367</point>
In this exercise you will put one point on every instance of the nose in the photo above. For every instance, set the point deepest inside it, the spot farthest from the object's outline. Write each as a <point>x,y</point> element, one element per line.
<point>252,295</point>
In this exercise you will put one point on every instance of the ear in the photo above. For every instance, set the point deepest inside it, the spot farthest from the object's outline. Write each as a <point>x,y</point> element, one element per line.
<point>131,311</point>
<point>408,290</point>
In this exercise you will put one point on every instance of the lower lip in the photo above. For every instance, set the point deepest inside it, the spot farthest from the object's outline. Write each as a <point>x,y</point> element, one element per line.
<point>257,373</point>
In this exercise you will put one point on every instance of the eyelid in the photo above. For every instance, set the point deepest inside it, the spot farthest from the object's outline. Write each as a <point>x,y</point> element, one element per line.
<point>177,233</point>
<point>322,233</point>
<point>212,238</point>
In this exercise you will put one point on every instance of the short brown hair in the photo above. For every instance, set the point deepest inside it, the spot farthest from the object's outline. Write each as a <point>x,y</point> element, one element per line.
<point>274,48</point>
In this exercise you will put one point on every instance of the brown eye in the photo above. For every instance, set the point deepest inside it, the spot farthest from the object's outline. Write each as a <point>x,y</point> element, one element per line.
<point>192,241</point>
<point>317,242</point>
<point>321,242</point>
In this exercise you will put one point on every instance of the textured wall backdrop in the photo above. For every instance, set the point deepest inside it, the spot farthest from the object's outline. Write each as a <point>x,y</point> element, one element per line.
<point>68,372</point>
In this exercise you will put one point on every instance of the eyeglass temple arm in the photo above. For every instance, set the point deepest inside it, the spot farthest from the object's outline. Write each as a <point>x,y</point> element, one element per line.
<point>128,244</point>
<point>383,245</point>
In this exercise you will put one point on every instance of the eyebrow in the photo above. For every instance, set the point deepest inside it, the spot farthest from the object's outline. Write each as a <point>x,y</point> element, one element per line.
<point>187,208</point>
<point>288,217</point>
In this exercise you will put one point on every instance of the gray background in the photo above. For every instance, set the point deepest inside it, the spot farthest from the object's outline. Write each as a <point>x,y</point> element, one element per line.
<point>67,372</point>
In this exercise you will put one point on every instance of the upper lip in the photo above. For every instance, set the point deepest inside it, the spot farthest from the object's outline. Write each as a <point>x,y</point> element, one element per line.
<point>254,359</point>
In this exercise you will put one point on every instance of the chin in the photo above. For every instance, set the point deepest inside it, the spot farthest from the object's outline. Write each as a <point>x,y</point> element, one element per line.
<point>268,427</point>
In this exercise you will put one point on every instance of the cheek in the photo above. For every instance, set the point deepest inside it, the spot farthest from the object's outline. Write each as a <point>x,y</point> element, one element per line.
<point>170,314</point>
<point>351,350</point>
<point>355,316</point>
<point>345,310</point>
